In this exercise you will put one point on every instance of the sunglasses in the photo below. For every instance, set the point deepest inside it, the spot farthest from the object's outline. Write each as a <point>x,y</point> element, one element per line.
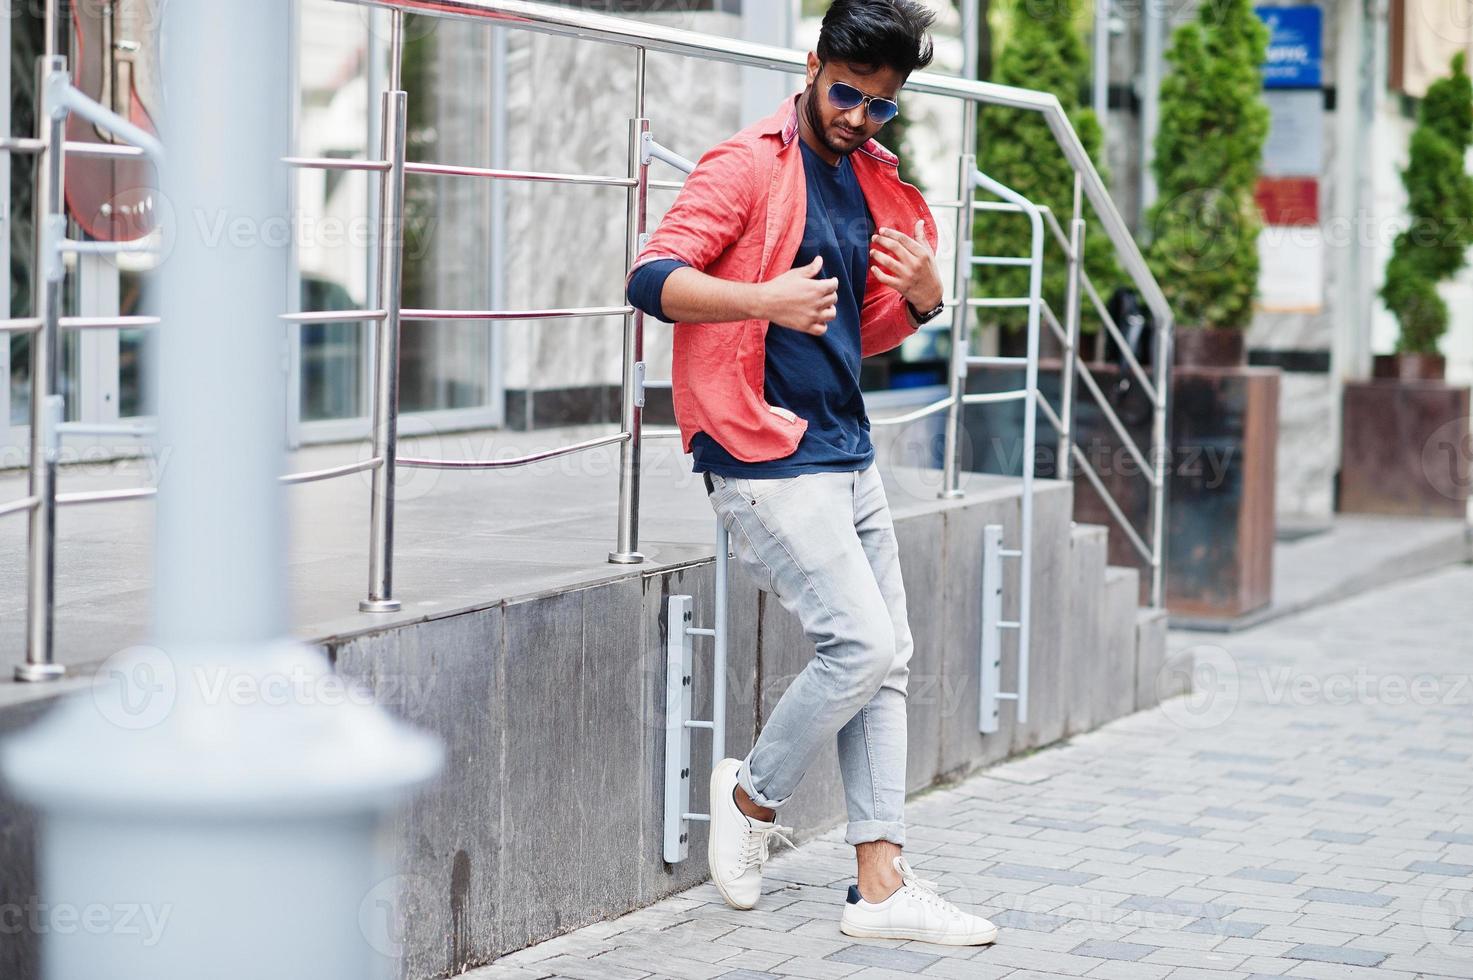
<point>846,97</point>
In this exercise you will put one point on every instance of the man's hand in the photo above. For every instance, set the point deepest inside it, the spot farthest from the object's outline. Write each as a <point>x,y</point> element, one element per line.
<point>799,301</point>
<point>907,265</point>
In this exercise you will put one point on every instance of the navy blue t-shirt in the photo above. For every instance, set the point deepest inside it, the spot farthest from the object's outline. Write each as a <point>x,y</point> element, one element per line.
<point>817,378</point>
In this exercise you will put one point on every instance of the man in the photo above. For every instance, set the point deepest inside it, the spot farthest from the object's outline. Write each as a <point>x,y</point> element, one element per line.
<point>792,251</point>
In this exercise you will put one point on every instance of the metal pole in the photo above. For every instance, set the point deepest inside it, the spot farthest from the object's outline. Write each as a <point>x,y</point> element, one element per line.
<point>1030,442</point>
<point>58,22</point>
<point>1102,62</point>
<point>47,278</point>
<point>386,350</point>
<point>1152,28</point>
<point>1063,463</point>
<point>969,25</point>
<point>631,402</point>
<point>718,650</point>
<point>1161,450</point>
<point>961,318</point>
<point>961,323</point>
<point>216,779</point>
<point>396,50</point>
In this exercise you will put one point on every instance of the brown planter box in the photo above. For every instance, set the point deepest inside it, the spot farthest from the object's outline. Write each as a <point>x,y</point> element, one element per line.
<point>1405,449</point>
<point>1224,429</point>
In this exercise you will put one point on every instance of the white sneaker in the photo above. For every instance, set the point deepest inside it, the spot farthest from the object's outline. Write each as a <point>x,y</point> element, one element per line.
<point>736,848</point>
<point>915,911</point>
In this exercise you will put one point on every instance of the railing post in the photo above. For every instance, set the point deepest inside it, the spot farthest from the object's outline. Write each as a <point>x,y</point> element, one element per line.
<point>1063,468</point>
<point>1160,451</point>
<point>631,410</point>
<point>47,277</point>
<point>961,322</point>
<point>386,347</point>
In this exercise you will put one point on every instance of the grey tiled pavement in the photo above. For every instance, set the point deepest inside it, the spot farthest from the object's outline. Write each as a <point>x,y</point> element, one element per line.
<point>1308,812</point>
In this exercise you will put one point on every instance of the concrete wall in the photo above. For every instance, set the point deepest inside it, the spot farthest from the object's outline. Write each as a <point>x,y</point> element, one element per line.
<point>552,710</point>
<point>548,813</point>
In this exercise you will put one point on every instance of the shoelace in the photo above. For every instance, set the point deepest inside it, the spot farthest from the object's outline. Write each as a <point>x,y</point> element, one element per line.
<point>924,889</point>
<point>756,841</point>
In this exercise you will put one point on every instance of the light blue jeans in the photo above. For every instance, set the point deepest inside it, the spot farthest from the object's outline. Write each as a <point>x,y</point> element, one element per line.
<point>824,545</point>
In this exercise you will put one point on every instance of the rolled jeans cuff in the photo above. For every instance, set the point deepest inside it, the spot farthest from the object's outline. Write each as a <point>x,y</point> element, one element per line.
<point>744,779</point>
<point>868,831</point>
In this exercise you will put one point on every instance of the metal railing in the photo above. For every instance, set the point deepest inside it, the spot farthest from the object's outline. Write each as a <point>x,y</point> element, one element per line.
<point>385,312</point>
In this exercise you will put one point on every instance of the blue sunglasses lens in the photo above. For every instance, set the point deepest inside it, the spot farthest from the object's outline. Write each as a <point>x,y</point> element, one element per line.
<point>846,97</point>
<point>843,96</point>
<point>882,110</point>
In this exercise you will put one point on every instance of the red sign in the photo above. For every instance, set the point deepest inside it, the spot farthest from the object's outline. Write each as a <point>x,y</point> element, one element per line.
<point>1288,200</point>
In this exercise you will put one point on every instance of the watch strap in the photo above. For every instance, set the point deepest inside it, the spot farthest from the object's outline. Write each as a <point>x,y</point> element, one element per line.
<point>927,316</point>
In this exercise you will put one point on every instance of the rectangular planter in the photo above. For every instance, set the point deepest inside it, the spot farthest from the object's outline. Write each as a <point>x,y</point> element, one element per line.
<point>1405,448</point>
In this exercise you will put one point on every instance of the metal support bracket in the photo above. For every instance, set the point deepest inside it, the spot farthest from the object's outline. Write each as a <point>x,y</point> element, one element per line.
<point>679,676</point>
<point>990,668</point>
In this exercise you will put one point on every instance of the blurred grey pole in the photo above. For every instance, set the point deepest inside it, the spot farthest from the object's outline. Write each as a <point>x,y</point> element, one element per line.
<point>1153,27</point>
<point>47,280</point>
<point>1101,63</point>
<point>215,804</point>
<point>393,141</point>
<point>961,317</point>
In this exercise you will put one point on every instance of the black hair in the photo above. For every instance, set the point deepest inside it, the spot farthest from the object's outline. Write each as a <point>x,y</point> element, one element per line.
<point>877,33</point>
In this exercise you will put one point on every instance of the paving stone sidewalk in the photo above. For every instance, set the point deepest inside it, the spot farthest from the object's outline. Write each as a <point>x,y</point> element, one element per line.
<point>1307,812</point>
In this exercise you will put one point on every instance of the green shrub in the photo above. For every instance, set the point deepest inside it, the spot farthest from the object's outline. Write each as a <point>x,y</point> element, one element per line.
<point>1440,203</point>
<point>1043,51</point>
<point>1204,222</point>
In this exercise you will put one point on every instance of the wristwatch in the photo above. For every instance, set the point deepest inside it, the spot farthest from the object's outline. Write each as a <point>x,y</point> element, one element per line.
<point>927,316</point>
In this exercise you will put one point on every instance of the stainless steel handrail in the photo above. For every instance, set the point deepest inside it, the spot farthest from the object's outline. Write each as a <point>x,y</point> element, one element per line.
<point>539,176</point>
<point>336,163</point>
<point>56,98</point>
<point>501,464</point>
<point>571,311</point>
<point>575,22</point>
<point>644,37</point>
<point>333,316</point>
<point>19,505</point>
<point>106,322</point>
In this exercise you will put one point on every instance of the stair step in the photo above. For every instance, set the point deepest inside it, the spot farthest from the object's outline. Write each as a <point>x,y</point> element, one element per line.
<point>1116,664</point>
<point>1084,619</point>
<point>1151,685</point>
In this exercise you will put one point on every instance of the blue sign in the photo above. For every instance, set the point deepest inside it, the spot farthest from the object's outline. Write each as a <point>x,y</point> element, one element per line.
<point>1294,46</point>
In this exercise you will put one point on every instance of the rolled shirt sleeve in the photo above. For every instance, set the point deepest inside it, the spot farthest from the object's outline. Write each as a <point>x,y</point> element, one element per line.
<point>647,285</point>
